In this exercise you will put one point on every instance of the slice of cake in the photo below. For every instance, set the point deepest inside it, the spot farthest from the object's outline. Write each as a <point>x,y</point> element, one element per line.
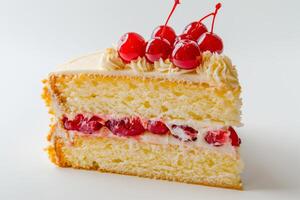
<point>164,109</point>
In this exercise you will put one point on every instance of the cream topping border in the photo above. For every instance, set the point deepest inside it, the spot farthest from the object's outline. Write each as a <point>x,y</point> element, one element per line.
<point>215,69</point>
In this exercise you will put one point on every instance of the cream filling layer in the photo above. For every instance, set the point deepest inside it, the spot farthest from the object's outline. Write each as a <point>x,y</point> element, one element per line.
<point>148,137</point>
<point>151,138</point>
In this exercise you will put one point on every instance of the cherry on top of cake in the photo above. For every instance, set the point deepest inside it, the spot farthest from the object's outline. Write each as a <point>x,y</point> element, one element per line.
<point>184,51</point>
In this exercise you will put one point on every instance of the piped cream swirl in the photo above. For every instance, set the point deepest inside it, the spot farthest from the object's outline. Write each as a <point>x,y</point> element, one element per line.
<point>110,60</point>
<point>140,65</point>
<point>216,68</point>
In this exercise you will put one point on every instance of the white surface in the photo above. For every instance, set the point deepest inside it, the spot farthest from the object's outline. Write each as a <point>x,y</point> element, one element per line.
<point>262,38</point>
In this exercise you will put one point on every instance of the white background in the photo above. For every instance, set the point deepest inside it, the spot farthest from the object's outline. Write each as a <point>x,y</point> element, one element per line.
<point>261,37</point>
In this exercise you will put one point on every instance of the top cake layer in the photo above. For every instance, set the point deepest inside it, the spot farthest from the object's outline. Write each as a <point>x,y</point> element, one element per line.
<point>101,83</point>
<point>215,69</point>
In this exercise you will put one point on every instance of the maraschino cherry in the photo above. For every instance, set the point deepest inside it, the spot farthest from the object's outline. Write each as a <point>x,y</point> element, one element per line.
<point>186,54</point>
<point>210,41</point>
<point>165,31</point>
<point>183,36</point>
<point>157,48</point>
<point>197,29</point>
<point>131,46</point>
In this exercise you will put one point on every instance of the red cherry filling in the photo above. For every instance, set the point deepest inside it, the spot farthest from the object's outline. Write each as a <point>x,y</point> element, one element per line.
<point>165,32</point>
<point>216,138</point>
<point>210,42</point>
<point>219,137</point>
<point>184,133</point>
<point>195,30</point>
<point>235,140</point>
<point>186,54</point>
<point>80,123</point>
<point>125,126</point>
<point>157,48</point>
<point>131,46</point>
<point>74,124</point>
<point>90,127</point>
<point>157,127</point>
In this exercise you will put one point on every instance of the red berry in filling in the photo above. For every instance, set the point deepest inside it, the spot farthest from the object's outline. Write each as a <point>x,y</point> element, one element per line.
<point>157,127</point>
<point>235,140</point>
<point>125,126</point>
<point>165,32</point>
<point>69,125</point>
<point>131,46</point>
<point>90,127</point>
<point>195,30</point>
<point>211,42</point>
<point>184,133</point>
<point>216,138</point>
<point>186,54</point>
<point>95,118</point>
<point>157,48</point>
<point>73,124</point>
<point>80,123</point>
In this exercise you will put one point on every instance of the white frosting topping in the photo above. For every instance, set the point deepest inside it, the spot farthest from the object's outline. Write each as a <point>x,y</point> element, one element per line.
<point>139,65</point>
<point>216,70</point>
<point>111,60</point>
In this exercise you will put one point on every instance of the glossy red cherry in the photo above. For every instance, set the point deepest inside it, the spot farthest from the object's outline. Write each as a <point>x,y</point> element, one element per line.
<point>216,138</point>
<point>235,140</point>
<point>157,127</point>
<point>125,126</point>
<point>186,54</point>
<point>131,46</point>
<point>157,48</point>
<point>210,42</point>
<point>195,29</point>
<point>165,32</point>
<point>184,133</point>
<point>183,37</point>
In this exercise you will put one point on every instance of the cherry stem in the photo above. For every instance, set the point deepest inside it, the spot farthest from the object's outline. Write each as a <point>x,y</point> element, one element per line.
<point>218,6</point>
<point>203,18</point>
<point>176,2</point>
<point>173,9</point>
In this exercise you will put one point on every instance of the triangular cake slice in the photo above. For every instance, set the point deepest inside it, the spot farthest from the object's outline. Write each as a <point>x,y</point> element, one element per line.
<point>166,115</point>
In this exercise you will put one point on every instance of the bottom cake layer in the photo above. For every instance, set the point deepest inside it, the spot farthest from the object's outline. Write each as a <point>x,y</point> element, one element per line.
<point>160,161</point>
